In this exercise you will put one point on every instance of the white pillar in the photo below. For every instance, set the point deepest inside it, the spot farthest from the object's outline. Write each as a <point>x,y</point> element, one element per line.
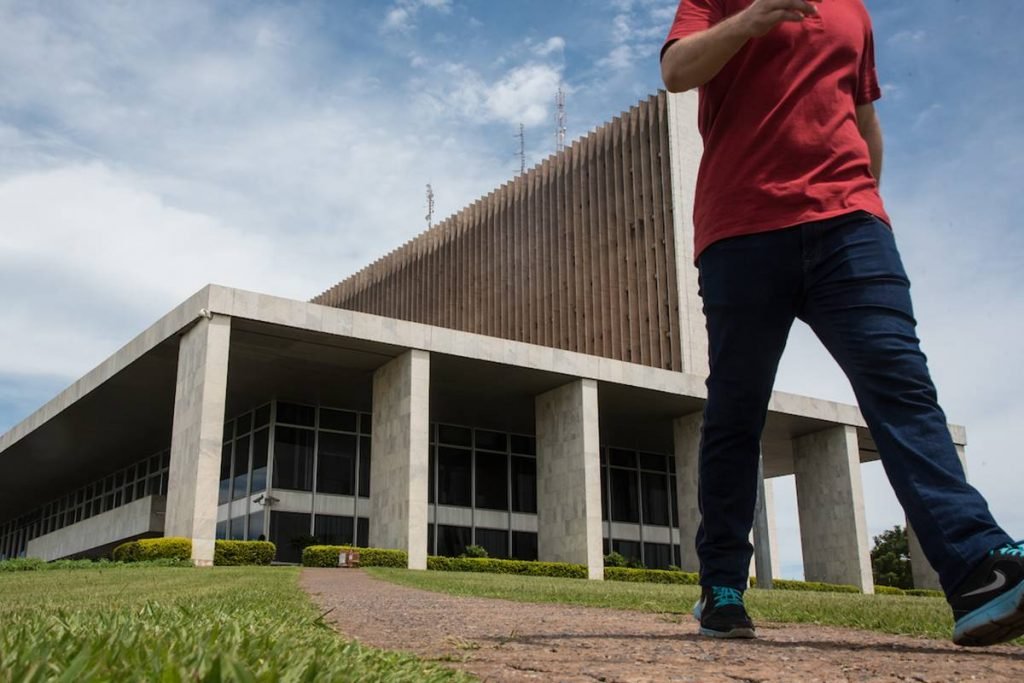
<point>400,456</point>
<point>686,431</point>
<point>830,499</point>
<point>764,554</point>
<point>197,435</point>
<point>569,477</point>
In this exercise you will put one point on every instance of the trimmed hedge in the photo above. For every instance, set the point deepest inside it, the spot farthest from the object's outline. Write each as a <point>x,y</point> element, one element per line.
<point>171,548</point>
<point>889,590</point>
<point>495,566</point>
<point>243,553</point>
<point>650,576</point>
<point>327,556</point>
<point>924,593</point>
<point>792,585</point>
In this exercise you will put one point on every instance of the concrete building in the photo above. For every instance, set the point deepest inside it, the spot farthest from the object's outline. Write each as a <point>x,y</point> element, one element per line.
<point>528,376</point>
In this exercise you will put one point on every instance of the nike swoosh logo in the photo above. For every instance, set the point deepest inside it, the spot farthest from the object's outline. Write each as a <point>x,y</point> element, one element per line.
<point>996,584</point>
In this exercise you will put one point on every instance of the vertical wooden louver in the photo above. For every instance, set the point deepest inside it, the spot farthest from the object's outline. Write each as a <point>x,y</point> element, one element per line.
<point>577,254</point>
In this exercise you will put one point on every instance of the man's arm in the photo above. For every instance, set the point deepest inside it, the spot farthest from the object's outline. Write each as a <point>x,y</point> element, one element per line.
<point>871,130</point>
<point>696,59</point>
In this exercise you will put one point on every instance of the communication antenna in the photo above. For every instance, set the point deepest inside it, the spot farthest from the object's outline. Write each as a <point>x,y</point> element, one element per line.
<point>522,149</point>
<point>559,120</point>
<point>430,207</point>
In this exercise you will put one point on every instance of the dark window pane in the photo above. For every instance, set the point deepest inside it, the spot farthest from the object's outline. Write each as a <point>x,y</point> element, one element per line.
<point>334,529</point>
<point>491,441</point>
<point>364,466</point>
<point>672,464</point>
<point>289,531</point>
<point>431,466</point>
<point>224,494</point>
<point>492,481</point>
<point>657,555</point>
<point>236,529</point>
<point>674,510</point>
<point>653,461</point>
<point>604,493</point>
<point>525,445</point>
<point>524,484</point>
<point>336,466</point>
<point>292,414</point>
<point>494,541</point>
<point>243,425</point>
<point>222,530</point>
<point>229,430</point>
<point>262,416</point>
<point>621,458</point>
<point>452,540</point>
<point>119,479</point>
<point>430,539</point>
<point>454,436</point>
<point>256,526</point>
<point>524,545</point>
<point>625,497</point>
<point>240,487</point>
<point>679,557</point>
<point>365,423</point>
<point>163,483</point>
<point>165,460</point>
<point>293,459</point>
<point>362,532</point>
<point>260,441</point>
<point>341,420</point>
<point>453,476</point>
<point>656,498</point>
<point>628,549</point>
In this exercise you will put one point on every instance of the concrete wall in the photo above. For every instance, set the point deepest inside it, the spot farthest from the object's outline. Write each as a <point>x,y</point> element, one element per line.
<point>142,516</point>
<point>687,444</point>
<point>830,500</point>
<point>569,477</point>
<point>400,460</point>
<point>197,435</point>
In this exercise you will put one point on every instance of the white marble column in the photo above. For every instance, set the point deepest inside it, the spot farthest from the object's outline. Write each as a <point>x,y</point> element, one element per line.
<point>400,456</point>
<point>197,435</point>
<point>686,431</point>
<point>569,477</point>
<point>830,500</point>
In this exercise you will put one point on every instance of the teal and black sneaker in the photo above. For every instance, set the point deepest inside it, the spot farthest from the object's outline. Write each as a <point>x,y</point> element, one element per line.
<point>988,605</point>
<point>721,613</point>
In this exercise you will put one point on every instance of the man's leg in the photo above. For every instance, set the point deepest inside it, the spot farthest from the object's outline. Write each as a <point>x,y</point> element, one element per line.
<point>750,288</point>
<point>858,303</point>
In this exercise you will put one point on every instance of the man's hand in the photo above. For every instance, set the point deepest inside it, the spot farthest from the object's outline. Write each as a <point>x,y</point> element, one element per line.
<point>764,15</point>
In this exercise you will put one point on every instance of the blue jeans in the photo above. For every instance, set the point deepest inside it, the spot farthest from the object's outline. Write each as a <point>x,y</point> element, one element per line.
<point>844,278</point>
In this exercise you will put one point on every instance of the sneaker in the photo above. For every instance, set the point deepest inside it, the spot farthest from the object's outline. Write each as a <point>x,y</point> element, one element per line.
<point>721,613</point>
<point>989,605</point>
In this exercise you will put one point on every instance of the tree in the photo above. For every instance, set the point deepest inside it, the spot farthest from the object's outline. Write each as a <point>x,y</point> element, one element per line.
<point>890,559</point>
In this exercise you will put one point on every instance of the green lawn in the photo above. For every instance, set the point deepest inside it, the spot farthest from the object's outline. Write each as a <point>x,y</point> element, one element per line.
<point>179,624</point>
<point>887,613</point>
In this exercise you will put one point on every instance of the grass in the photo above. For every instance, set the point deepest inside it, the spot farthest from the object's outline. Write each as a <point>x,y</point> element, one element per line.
<point>180,624</point>
<point>903,615</point>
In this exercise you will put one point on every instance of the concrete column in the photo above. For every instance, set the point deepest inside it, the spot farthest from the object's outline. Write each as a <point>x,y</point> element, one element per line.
<point>763,551</point>
<point>687,444</point>
<point>569,477</point>
<point>400,456</point>
<point>197,435</point>
<point>830,500</point>
<point>923,574</point>
<point>685,150</point>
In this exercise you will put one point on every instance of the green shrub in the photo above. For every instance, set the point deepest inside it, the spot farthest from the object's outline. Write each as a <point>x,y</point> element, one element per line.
<point>147,549</point>
<point>327,556</point>
<point>22,564</point>
<point>614,559</point>
<point>889,590</point>
<point>239,553</point>
<point>792,585</point>
<point>924,593</point>
<point>475,551</point>
<point>496,566</point>
<point>126,552</point>
<point>650,575</point>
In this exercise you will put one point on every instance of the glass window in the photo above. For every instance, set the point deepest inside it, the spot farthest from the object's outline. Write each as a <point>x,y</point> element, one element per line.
<point>656,498</point>
<point>452,540</point>
<point>222,530</point>
<point>492,481</point>
<point>289,531</point>
<point>625,497</point>
<point>362,531</point>
<point>524,445</point>
<point>657,555</point>
<point>336,464</point>
<point>430,539</point>
<point>366,423</point>
<point>236,529</point>
<point>341,420</point>
<point>229,430</point>
<point>455,436</point>
<point>262,416</point>
<point>293,459</point>
<point>260,442</point>
<point>524,484</point>
<point>524,545</point>
<point>364,466</point>
<point>494,541</point>
<point>674,510</point>
<point>243,425</point>
<point>334,529</point>
<point>628,549</point>
<point>431,466</point>
<point>453,476</point>
<point>621,458</point>
<point>653,461</point>
<point>240,487</point>
<point>491,441</point>
<point>292,414</point>
<point>604,493</point>
<point>256,526</point>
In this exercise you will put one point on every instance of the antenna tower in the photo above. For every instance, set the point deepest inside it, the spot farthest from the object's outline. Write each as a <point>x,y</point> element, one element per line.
<point>430,207</point>
<point>559,120</point>
<point>522,149</point>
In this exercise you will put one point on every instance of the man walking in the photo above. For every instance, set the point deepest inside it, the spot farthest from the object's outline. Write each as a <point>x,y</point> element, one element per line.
<point>790,224</point>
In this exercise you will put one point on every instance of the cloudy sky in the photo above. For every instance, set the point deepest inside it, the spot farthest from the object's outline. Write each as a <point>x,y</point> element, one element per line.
<point>148,148</point>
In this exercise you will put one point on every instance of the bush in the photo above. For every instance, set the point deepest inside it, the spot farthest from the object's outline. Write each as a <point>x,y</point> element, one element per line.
<point>650,575</point>
<point>889,590</point>
<point>475,551</point>
<point>22,564</point>
<point>614,559</point>
<point>791,585</point>
<point>239,553</point>
<point>924,593</point>
<point>147,549</point>
<point>496,566</point>
<point>327,556</point>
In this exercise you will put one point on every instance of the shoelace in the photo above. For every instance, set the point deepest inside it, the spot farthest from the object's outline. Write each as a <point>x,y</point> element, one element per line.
<point>1013,550</point>
<point>726,596</point>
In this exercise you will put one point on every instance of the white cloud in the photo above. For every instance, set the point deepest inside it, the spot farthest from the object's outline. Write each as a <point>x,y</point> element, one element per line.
<point>401,17</point>
<point>551,45</point>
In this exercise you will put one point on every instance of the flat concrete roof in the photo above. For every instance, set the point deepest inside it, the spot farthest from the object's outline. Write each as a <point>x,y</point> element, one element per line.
<point>293,350</point>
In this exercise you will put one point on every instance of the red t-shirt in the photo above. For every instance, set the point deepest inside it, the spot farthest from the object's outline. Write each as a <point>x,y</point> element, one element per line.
<point>781,144</point>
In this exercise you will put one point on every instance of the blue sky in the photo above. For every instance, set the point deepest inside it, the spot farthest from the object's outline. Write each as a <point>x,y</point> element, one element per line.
<point>149,148</point>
